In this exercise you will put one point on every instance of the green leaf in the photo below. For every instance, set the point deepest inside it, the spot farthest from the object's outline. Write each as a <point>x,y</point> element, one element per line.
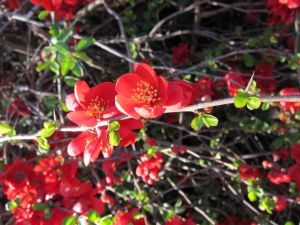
<point>62,48</point>
<point>253,103</point>
<point>84,43</point>
<point>265,106</point>
<point>114,138</point>
<point>114,126</point>
<point>197,123</point>
<point>83,56</point>
<point>48,124</point>
<point>170,214</point>
<point>70,81</point>
<point>53,32</point>
<point>252,196</point>
<point>42,67</point>
<point>47,132</point>
<point>70,220</point>
<point>297,116</point>
<point>42,15</point>
<point>249,60</point>
<point>4,128</point>
<point>54,67</point>
<point>148,208</point>
<point>94,216</point>
<point>40,206</point>
<point>65,35</point>
<point>67,63</point>
<point>78,70</point>
<point>51,102</point>
<point>210,120</point>
<point>240,99</point>
<point>289,223</point>
<point>63,106</point>
<point>43,144</point>
<point>106,220</point>
<point>11,205</point>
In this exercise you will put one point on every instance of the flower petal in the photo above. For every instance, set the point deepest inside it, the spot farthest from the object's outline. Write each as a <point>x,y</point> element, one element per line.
<point>80,90</point>
<point>126,106</point>
<point>127,83</point>
<point>150,112</point>
<point>105,91</point>
<point>77,145</point>
<point>91,151</point>
<point>146,73</point>
<point>82,118</point>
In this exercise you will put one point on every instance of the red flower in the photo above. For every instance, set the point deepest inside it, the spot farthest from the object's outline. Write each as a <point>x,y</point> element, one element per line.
<point>234,83</point>
<point>265,80</point>
<point>249,172</point>
<point>91,143</point>
<point>178,149</point>
<point>149,168</point>
<point>151,141</point>
<point>176,220</point>
<point>280,13</point>
<point>88,105</point>
<point>292,4</point>
<point>19,107</point>
<point>13,4</point>
<point>181,54</point>
<point>280,154</point>
<point>294,172</point>
<point>233,220</point>
<point>277,176</point>
<point>204,87</point>
<point>144,94</point>
<point>108,199</point>
<point>295,153</point>
<point>291,106</point>
<point>280,203</point>
<point>128,218</point>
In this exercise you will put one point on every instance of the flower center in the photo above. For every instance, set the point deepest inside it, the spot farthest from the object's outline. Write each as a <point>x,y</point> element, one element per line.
<point>19,176</point>
<point>145,93</point>
<point>97,106</point>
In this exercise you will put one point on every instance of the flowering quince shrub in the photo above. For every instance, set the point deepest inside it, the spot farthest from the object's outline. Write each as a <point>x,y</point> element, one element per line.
<point>149,112</point>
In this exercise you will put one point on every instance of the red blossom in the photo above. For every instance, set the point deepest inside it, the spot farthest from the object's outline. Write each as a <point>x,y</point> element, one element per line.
<point>280,154</point>
<point>181,54</point>
<point>290,106</point>
<point>19,107</point>
<point>280,203</point>
<point>280,13</point>
<point>234,83</point>
<point>294,172</point>
<point>178,149</point>
<point>278,177</point>
<point>108,199</point>
<point>88,105</point>
<point>144,94</point>
<point>125,218</point>
<point>295,152</point>
<point>204,87</point>
<point>233,220</point>
<point>292,4</point>
<point>176,220</point>
<point>13,4</point>
<point>151,141</point>
<point>249,172</point>
<point>149,167</point>
<point>265,80</point>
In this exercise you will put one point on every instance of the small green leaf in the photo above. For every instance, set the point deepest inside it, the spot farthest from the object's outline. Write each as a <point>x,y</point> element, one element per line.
<point>43,144</point>
<point>210,120</point>
<point>253,103</point>
<point>65,35</point>
<point>78,70</point>
<point>47,132</point>
<point>67,63</point>
<point>4,128</point>
<point>240,99</point>
<point>114,138</point>
<point>84,43</point>
<point>39,206</point>
<point>54,67</point>
<point>289,223</point>
<point>64,106</point>
<point>148,208</point>
<point>83,56</point>
<point>70,220</point>
<point>197,123</point>
<point>70,81</point>
<point>56,123</point>
<point>48,124</point>
<point>62,48</point>
<point>114,126</point>
<point>297,116</point>
<point>265,106</point>
<point>11,205</point>
<point>42,67</point>
<point>170,214</point>
<point>252,196</point>
<point>42,15</point>
<point>94,216</point>
<point>51,102</point>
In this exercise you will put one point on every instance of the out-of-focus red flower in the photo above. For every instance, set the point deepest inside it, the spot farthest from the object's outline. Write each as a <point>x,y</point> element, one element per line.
<point>108,199</point>
<point>91,143</point>
<point>293,107</point>
<point>125,218</point>
<point>178,149</point>
<point>265,80</point>
<point>280,13</point>
<point>144,94</point>
<point>149,167</point>
<point>295,152</point>
<point>13,4</point>
<point>292,4</point>
<point>233,220</point>
<point>19,107</point>
<point>234,83</point>
<point>150,141</point>
<point>268,165</point>
<point>181,54</point>
<point>280,154</point>
<point>176,220</point>
<point>88,105</point>
<point>294,172</point>
<point>280,203</point>
<point>204,87</point>
<point>277,176</point>
<point>249,172</point>
<point>62,8</point>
